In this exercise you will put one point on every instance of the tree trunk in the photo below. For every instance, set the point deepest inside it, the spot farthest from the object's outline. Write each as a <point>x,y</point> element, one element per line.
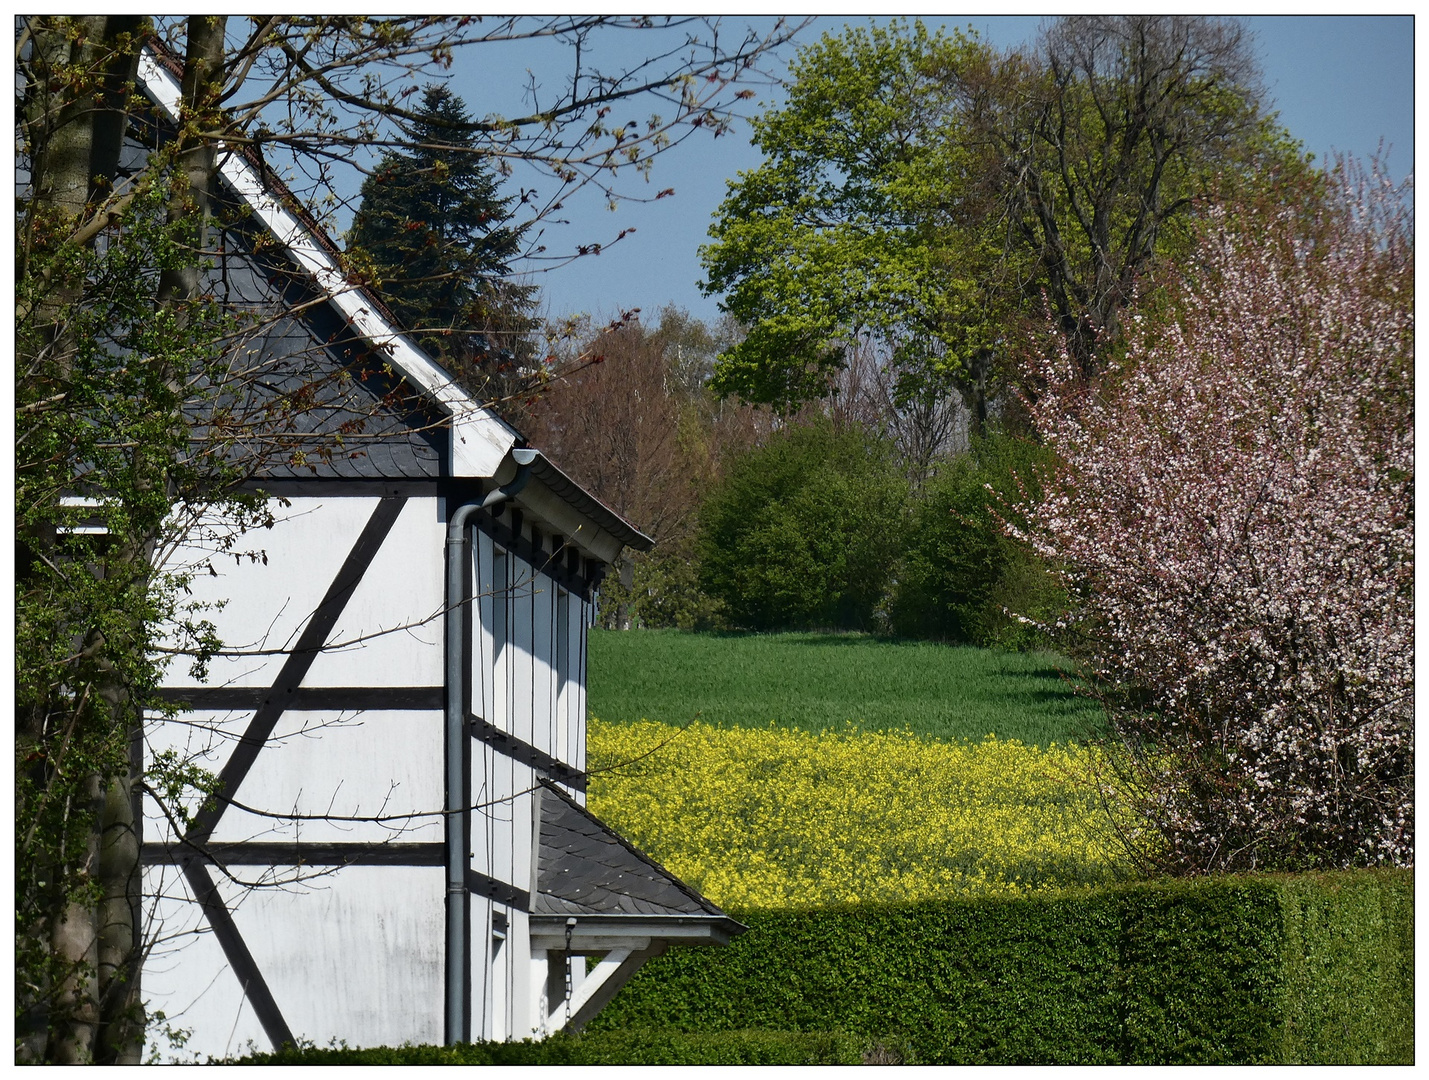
<point>121,1019</point>
<point>74,118</point>
<point>74,942</point>
<point>191,203</point>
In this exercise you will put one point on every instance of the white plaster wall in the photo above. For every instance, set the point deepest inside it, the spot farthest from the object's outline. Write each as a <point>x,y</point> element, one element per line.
<point>266,604</point>
<point>187,977</point>
<point>390,633</point>
<point>355,955</point>
<point>521,1022</point>
<point>202,737</point>
<point>374,764</point>
<point>360,957</point>
<point>524,586</point>
<point>479,929</point>
<point>543,648</point>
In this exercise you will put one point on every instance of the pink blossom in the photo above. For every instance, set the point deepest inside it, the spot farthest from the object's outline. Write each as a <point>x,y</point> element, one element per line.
<point>1235,519</point>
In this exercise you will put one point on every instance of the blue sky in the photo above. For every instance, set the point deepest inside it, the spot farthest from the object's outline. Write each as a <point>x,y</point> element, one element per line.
<point>1340,83</point>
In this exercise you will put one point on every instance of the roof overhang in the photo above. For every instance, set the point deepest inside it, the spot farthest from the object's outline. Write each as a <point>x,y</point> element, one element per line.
<point>601,933</point>
<point>577,514</point>
<point>479,439</point>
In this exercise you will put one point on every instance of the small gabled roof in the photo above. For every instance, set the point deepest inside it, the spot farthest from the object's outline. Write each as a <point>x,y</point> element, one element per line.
<point>585,870</point>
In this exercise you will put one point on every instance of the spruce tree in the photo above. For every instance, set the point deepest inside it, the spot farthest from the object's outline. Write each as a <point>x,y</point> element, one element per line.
<point>440,239</point>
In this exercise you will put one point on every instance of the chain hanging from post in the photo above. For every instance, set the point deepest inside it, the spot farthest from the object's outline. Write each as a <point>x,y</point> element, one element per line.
<point>570,929</point>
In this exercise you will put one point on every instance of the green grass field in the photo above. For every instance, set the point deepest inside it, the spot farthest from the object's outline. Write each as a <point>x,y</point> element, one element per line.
<point>818,682</point>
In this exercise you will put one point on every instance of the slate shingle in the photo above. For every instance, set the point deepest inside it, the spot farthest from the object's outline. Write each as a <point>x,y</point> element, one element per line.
<point>586,869</point>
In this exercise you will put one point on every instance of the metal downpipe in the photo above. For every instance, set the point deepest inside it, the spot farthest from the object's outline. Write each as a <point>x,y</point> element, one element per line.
<point>456,750</point>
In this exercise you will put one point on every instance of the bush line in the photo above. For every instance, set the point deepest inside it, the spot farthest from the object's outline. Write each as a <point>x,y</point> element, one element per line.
<point>1314,968</point>
<point>661,1047</point>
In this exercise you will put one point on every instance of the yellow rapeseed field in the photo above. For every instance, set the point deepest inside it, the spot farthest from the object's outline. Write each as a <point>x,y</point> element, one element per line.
<point>775,817</point>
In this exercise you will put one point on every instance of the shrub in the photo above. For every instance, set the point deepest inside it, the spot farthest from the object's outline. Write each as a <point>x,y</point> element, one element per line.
<point>664,593</point>
<point>802,532</point>
<point>1312,969</point>
<point>638,1047</point>
<point>962,577</point>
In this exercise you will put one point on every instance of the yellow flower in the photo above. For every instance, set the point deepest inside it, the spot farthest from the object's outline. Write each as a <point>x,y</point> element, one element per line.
<point>778,817</point>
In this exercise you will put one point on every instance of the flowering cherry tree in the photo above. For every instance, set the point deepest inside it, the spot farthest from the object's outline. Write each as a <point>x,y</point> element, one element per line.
<point>1235,516</point>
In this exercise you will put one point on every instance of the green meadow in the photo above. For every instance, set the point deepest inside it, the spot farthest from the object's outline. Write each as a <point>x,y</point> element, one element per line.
<point>818,682</point>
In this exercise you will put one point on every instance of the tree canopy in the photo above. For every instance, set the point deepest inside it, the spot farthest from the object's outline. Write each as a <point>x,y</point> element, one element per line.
<point>931,193</point>
<point>848,230</point>
<point>802,532</point>
<point>441,246</point>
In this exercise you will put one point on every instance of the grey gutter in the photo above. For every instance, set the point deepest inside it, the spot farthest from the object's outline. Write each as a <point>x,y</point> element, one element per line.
<point>566,489</point>
<point>457,751</point>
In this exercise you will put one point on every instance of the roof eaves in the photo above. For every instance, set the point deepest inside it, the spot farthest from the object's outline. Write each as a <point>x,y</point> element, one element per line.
<point>674,929</point>
<point>587,504</point>
<point>480,439</point>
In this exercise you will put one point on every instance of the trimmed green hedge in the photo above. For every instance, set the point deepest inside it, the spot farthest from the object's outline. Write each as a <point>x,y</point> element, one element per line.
<point>1290,969</point>
<point>612,1048</point>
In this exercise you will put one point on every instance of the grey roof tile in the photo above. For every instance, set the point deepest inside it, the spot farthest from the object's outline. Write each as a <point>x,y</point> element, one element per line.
<point>323,401</point>
<point>586,869</point>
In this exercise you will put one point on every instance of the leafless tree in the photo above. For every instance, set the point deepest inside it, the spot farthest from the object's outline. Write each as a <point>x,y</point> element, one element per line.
<point>637,426</point>
<point>1105,138</point>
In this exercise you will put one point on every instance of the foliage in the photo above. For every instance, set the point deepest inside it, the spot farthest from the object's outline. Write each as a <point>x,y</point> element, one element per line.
<point>1349,948</point>
<point>778,818</point>
<point>639,1047</point>
<point>928,193</point>
<point>819,682</point>
<point>962,578</point>
<point>664,592</point>
<point>802,531</point>
<point>1236,516</point>
<point>103,469</point>
<point>1200,972</point>
<point>849,227</point>
<point>440,243</point>
<point>1112,138</point>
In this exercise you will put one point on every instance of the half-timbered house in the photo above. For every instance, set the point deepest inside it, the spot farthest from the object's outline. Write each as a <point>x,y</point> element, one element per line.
<point>398,849</point>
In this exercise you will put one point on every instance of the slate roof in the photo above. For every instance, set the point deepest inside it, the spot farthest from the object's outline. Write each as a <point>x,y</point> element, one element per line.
<point>586,869</point>
<point>391,416</point>
<point>334,409</point>
<point>308,397</point>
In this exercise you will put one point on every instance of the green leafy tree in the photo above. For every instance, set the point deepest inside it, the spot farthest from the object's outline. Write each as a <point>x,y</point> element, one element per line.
<point>853,231</point>
<point>803,531</point>
<point>962,578</point>
<point>933,194</point>
<point>112,333</point>
<point>440,242</point>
